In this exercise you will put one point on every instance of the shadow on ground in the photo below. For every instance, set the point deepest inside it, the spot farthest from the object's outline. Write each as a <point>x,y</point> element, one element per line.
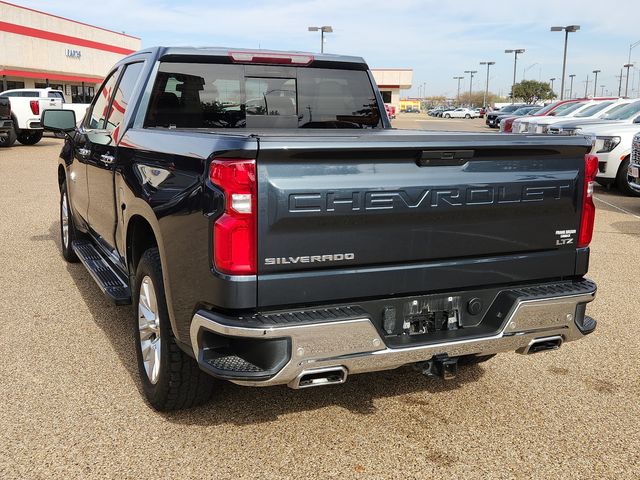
<point>245,405</point>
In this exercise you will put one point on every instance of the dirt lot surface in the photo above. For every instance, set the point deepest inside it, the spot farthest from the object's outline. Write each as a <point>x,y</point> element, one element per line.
<point>70,405</point>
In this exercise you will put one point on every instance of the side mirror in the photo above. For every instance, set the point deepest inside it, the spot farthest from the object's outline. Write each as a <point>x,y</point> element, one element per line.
<point>59,120</point>
<point>552,114</point>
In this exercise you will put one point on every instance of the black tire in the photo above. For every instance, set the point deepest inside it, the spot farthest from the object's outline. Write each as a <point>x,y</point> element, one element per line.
<point>447,115</point>
<point>622,180</point>
<point>9,139</point>
<point>67,251</point>
<point>474,359</point>
<point>29,137</point>
<point>467,116</point>
<point>181,383</point>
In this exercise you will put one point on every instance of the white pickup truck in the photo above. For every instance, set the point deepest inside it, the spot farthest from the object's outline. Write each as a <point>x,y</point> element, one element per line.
<point>27,104</point>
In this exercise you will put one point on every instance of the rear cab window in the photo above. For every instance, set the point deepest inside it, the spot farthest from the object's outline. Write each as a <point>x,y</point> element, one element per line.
<point>205,95</point>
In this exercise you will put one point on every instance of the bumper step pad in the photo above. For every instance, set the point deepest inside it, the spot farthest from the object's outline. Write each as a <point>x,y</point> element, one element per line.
<point>104,275</point>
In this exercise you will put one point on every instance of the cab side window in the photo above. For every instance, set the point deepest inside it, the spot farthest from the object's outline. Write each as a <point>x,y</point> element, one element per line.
<point>95,121</point>
<point>122,95</point>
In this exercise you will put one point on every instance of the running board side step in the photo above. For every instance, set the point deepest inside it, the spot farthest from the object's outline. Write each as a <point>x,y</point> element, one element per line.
<point>111,284</point>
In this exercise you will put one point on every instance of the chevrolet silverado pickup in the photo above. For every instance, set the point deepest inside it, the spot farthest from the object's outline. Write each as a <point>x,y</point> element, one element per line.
<point>270,227</point>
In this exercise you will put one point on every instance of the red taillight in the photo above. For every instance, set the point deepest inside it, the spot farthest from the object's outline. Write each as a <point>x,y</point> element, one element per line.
<point>35,107</point>
<point>271,57</point>
<point>508,124</point>
<point>588,208</point>
<point>234,233</point>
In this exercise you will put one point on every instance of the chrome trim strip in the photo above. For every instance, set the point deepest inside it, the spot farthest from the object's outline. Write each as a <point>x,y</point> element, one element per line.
<point>356,345</point>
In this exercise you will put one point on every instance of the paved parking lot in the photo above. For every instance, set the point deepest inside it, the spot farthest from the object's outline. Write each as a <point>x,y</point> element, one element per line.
<point>70,406</point>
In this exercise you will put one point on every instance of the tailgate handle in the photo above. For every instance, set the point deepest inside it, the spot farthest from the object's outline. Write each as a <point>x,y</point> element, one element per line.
<point>444,158</point>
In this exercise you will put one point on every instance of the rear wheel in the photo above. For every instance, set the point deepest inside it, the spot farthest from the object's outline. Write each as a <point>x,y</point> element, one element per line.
<point>171,379</point>
<point>446,115</point>
<point>29,137</point>
<point>9,139</point>
<point>67,229</point>
<point>467,116</point>
<point>622,180</point>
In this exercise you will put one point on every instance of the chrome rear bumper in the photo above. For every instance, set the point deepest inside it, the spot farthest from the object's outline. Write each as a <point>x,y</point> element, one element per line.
<point>356,345</point>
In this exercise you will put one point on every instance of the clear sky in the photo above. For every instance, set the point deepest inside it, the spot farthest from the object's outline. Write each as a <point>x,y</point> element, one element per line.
<point>439,39</point>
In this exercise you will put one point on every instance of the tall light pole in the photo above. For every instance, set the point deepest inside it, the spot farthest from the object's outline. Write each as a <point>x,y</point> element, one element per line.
<point>552,80</point>
<point>568,29</point>
<point>572,76</point>
<point>602,91</point>
<point>458,96</point>
<point>515,52</point>
<point>324,29</point>
<point>626,88</point>
<point>486,87</point>
<point>471,72</point>
<point>595,83</point>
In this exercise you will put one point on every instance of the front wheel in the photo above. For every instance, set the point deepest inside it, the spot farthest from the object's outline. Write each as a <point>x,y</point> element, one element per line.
<point>171,379</point>
<point>29,137</point>
<point>467,116</point>
<point>447,116</point>
<point>622,180</point>
<point>67,229</point>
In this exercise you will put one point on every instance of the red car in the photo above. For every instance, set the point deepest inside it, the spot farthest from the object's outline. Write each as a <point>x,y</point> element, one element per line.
<point>391,111</point>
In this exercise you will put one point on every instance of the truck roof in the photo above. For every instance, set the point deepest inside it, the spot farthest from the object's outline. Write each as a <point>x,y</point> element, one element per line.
<point>225,52</point>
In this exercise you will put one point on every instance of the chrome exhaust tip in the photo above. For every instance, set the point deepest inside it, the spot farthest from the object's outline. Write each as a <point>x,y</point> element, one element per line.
<point>320,377</point>
<point>543,344</point>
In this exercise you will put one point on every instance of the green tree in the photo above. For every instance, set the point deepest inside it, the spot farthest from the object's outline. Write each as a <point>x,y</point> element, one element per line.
<point>530,91</point>
<point>477,98</point>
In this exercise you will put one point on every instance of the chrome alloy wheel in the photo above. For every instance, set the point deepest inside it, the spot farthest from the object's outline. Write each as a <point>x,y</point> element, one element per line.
<point>64,220</point>
<point>149,327</point>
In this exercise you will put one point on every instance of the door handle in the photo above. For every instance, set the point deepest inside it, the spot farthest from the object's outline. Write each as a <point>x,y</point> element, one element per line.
<point>84,152</point>
<point>108,159</point>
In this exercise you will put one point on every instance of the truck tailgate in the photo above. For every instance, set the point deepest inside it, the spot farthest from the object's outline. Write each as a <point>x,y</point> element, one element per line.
<point>385,213</point>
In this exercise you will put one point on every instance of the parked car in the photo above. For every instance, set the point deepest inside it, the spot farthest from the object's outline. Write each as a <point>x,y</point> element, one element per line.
<point>301,256</point>
<point>482,111</point>
<point>391,111</point>
<point>625,112</point>
<point>491,117</point>
<point>437,112</point>
<point>27,105</point>
<point>460,113</point>
<point>7,133</point>
<point>612,146</point>
<point>497,117</point>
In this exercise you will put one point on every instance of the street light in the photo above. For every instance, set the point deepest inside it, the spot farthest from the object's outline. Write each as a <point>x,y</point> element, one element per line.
<point>572,76</point>
<point>470,84</point>
<point>515,52</point>
<point>552,80</point>
<point>602,91</point>
<point>486,89</point>
<point>595,82</point>
<point>458,96</point>
<point>626,88</point>
<point>323,30</point>
<point>568,29</point>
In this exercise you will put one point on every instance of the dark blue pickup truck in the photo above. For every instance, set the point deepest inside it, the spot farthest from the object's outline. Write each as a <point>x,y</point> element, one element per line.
<point>270,227</point>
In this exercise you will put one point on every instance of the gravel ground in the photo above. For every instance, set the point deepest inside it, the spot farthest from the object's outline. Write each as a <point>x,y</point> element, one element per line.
<point>70,405</point>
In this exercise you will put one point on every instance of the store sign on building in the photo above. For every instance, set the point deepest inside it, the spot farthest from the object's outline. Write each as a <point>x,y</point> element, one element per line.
<point>70,53</point>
